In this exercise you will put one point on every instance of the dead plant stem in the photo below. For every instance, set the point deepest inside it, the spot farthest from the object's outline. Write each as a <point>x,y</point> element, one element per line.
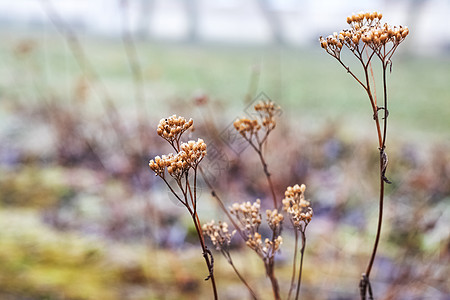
<point>206,253</point>
<point>230,261</point>
<point>294,264</point>
<point>302,252</point>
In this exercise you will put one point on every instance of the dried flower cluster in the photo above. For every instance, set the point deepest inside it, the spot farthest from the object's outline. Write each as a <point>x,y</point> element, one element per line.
<point>248,218</point>
<point>266,250</point>
<point>190,155</point>
<point>159,164</point>
<point>187,158</point>
<point>193,152</point>
<point>267,111</point>
<point>250,127</point>
<point>365,28</point>
<point>296,206</point>
<point>246,126</point>
<point>219,234</point>
<point>275,220</point>
<point>173,127</point>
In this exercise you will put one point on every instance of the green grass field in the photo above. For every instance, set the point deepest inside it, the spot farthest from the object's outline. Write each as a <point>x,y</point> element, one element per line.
<point>309,85</point>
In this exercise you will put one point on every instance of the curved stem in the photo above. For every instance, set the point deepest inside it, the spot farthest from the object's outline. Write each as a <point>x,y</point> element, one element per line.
<point>374,108</point>
<point>273,280</point>
<point>294,264</point>
<point>269,180</point>
<point>386,112</point>
<point>380,221</point>
<point>230,261</point>
<point>365,282</point>
<point>222,206</point>
<point>265,167</point>
<point>302,252</point>
<point>351,73</point>
<point>383,163</point>
<point>206,252</point>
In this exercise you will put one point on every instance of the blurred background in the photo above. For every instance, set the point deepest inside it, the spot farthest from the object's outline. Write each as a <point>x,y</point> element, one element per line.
<point>83,85</point>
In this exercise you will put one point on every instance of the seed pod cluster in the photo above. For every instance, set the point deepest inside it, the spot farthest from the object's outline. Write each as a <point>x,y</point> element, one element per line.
<point>266,110</point>
<point>296,206</point>
<point>189,154</point>
<point>173,127</point>
<point>219,234</point>
<point>365,30</point>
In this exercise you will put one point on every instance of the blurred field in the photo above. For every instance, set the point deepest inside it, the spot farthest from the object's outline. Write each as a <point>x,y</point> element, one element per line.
<point>83,218</point>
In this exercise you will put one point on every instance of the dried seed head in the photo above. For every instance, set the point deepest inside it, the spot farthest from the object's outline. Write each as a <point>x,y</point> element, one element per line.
<point>173,127</point>
<point>219,234</point>
<point>296,206</point>
<point>274,219</point>
<point>246,127</point>
<point>250,127</point>
<point>248,218</point>
<point>193,152</point>
<point>365,28</point>
<point>190,155</point>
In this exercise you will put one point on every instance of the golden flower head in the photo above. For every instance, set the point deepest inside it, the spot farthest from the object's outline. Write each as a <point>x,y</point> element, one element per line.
<point>173,127</point>
<point>274,219</point>
<point>365,28</point>
<point>159,164</point>
<point>296,206</point>
<point>267,110</point>
<point>246,126</point>
<point>189,157</point>
<point>193,152</point>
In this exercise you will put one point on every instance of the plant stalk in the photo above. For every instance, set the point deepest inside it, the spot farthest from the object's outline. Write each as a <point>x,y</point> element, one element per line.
<point>302,252</point>
<point>273,280</point>
<point>206,252</point>
<point>294,264</point>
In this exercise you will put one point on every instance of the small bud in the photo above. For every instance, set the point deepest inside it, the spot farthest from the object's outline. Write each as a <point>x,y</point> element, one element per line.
<point>405,32</point>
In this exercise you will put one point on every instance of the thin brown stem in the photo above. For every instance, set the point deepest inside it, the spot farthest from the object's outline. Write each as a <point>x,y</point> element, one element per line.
<point>351,73</point>
<point>374,107</point>
<point>221,205</point>
<point>386,112</point>
<point>383,163</point>
<point>380,221</point>
<point>365,282</point>
<point>227,255</point>
<point>206,254</point>
<point>259,151</point>
<point>267,173</point>
<point>302,252</point>
<point>273,280</point>
<point>294,264</point>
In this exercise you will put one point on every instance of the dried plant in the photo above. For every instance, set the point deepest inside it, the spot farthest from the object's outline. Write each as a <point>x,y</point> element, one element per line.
<point>300,214</point>
<point>182,167</point>
<point>256,131</point>
<point>246,217</point>
<point>367,38</point>
<point>221,239</point>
